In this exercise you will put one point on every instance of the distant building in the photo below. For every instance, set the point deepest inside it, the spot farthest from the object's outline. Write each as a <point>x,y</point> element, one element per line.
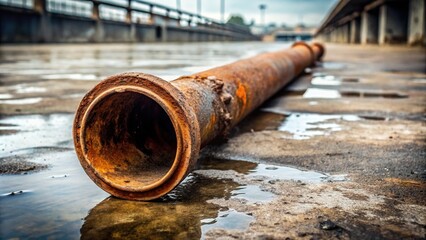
<point>299,32</point>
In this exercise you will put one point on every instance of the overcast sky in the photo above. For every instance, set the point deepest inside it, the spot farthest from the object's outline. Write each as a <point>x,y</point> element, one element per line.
<point>290,12</point>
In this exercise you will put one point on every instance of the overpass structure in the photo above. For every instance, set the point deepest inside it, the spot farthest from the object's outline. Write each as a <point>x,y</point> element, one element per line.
<point>375,22</point>
<point>58,21</point>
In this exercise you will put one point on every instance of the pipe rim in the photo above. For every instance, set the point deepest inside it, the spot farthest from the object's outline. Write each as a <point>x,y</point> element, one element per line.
<point>301,43</point>
<point>321,48</point>
<point>180,114</point>
<point>171,115</point>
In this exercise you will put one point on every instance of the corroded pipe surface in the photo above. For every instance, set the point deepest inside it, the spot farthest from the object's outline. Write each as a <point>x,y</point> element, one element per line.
<point>138,136</point>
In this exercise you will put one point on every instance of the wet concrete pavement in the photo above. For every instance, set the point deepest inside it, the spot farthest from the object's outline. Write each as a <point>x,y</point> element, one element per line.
<point>338,154</point>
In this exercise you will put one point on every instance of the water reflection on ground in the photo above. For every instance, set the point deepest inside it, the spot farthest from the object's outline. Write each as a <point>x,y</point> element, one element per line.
<point>186,212</point>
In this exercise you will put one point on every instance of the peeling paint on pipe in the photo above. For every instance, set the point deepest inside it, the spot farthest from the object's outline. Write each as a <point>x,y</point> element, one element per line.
<point>138,136</point>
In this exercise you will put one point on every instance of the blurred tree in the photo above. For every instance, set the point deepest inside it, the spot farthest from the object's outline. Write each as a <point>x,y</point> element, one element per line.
<point>236,19</point>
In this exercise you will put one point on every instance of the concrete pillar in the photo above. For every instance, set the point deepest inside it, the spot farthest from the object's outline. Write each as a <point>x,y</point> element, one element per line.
<point>345,33</point>
<point>129,12</point>
<point>416,22</point>
<point>164,32</point>
<point>99,30</point>
<point>337,35</point>
<point>167,17</point>
<point>151,14</point>
<point>393,23</point>
<point>179,18</point>
<point>355,30</point>
<point>369,26</point>
<point>95,11</point>
<point>132,32</point>
<point>40,6</point>
<point>333,35</point>
<point>327,37</point>
<point>341,34</point>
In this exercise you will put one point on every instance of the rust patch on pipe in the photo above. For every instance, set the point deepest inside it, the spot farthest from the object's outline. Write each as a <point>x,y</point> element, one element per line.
<point>241,94</point>
<point>138,136</point>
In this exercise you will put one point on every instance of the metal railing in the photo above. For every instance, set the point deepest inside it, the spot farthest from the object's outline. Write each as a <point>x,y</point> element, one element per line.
<point>18,3</point>
<point>130,11</point>
<point>70,7</point>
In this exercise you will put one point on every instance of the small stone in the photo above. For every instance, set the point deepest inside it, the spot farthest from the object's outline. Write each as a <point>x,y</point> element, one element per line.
<point>328,225</point>
<point>272,181</point>
<point>211,77</point>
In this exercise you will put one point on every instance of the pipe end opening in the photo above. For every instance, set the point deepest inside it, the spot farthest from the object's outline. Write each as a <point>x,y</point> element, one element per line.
<point>130,140</point>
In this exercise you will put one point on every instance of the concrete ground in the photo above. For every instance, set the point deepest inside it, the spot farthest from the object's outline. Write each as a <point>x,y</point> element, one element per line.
<point>338,154</point>
<point>375,98</point>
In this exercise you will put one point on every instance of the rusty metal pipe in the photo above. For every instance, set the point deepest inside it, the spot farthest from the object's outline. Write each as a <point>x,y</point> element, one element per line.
<point>138,136</point>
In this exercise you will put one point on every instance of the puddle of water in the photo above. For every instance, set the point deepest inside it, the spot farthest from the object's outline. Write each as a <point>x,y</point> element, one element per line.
<point>21,101</point>
<point>321,93</point>
<point>73,76</point>
<point>300,125</point>
<point>306,125</point>
<point>34,131</point>
<point>333,65</point>
<point>24,88</point>
<point>287,173</point>
<point>264,172</point>
<point>75,95</point>
<point>186,212</point>
<point>47,207</point>
<point>5,96</point>
<point>253,194</point>
<point>229,219</point>
<point>320,78</point>
<point>326,80</point>
<point>419,80</point>
<point>182,214</point>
